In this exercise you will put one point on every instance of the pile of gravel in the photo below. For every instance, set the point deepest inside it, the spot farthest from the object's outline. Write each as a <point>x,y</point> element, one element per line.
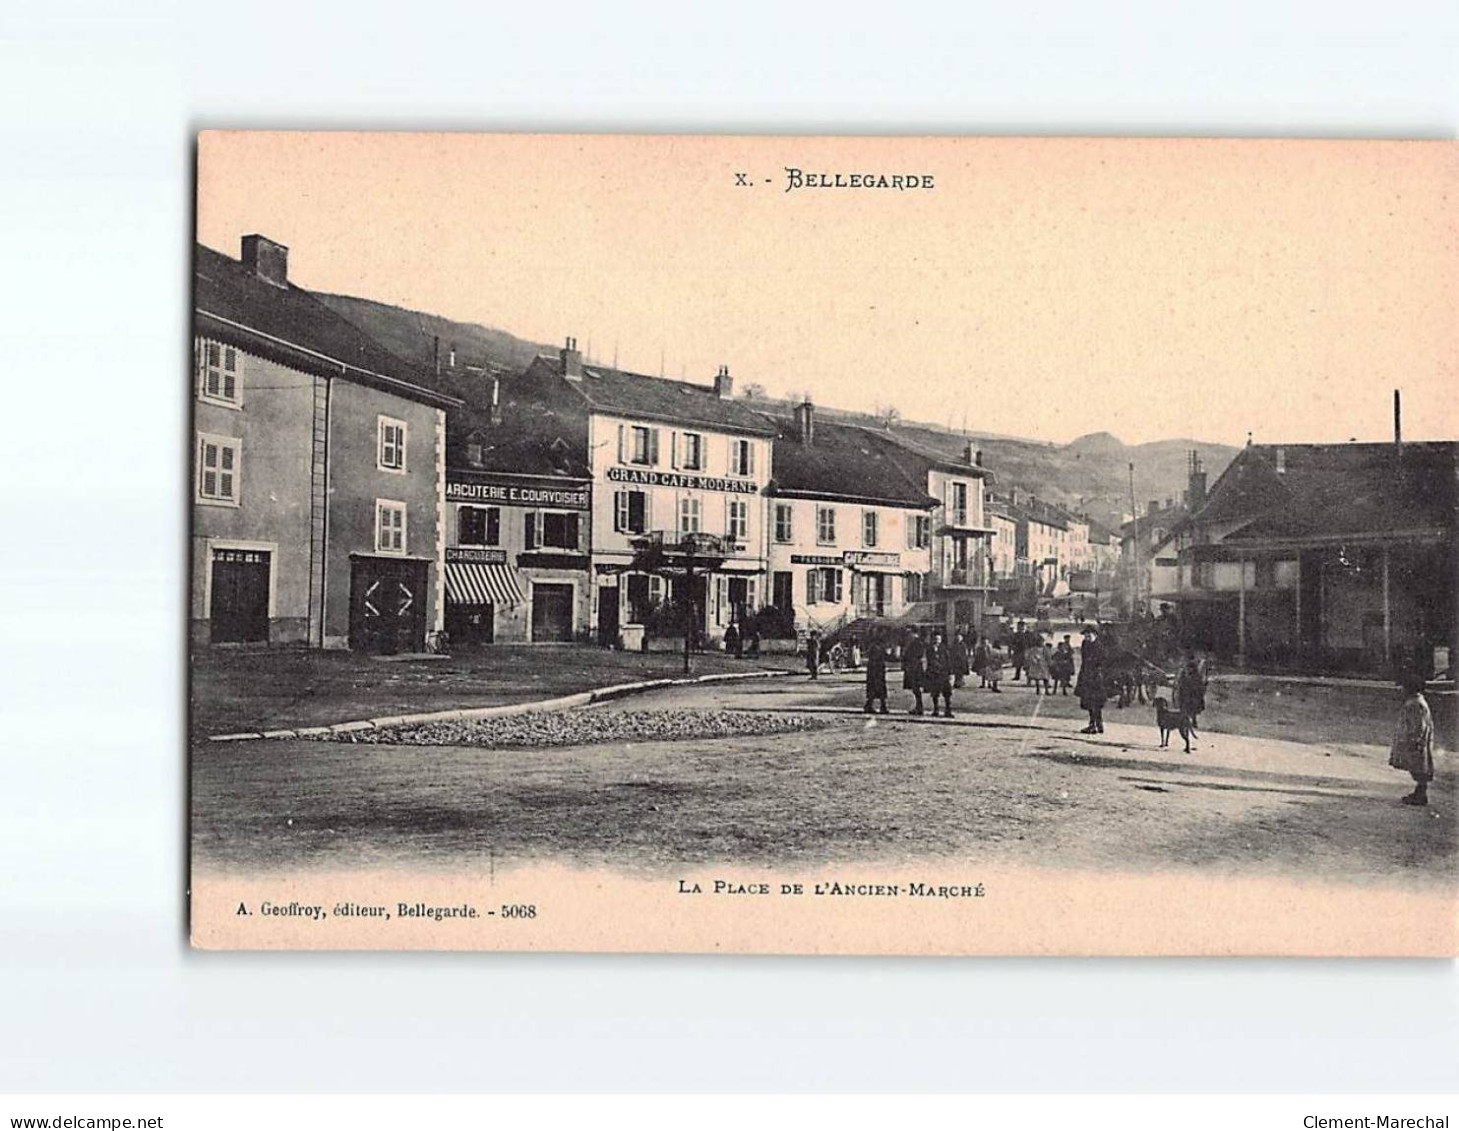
<point>584,728</point>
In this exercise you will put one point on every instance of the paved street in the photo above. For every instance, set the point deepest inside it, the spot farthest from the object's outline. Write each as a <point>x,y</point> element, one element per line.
<point>1009,785</point>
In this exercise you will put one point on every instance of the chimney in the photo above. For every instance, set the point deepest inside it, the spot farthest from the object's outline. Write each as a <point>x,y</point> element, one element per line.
<point>1195,495</point>
<point>978,458</point>
<point>266,259</point>
<point>805,422</point>
<point>436,353</point>
<point>1281,461</point>
<point>1397,421</point>
<point>572,361</point>
<point>724,384</point>
<point>451,357</point>
<point>496,400</point>
<point>971,456</point>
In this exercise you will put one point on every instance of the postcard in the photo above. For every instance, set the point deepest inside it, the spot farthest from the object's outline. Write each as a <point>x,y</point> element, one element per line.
<point>823,545</point>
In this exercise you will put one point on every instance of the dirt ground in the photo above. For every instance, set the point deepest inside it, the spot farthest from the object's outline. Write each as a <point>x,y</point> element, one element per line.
<point>237,690</point>
<point>986,786</point>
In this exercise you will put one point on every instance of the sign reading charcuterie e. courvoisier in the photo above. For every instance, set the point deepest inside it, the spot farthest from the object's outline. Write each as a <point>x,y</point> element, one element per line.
<point>515,491</point>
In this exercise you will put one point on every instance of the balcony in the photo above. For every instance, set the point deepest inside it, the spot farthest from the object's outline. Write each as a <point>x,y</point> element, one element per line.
<point>964,577</point>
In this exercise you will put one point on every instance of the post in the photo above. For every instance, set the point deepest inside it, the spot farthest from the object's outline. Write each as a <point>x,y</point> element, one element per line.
<point>1241,614</point>
<point>1134,545</point>
<point>1297,604</point>
<point>1387,615</point>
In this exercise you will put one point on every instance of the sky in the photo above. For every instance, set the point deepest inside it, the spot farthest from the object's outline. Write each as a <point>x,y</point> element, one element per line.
<point>1155,289</point>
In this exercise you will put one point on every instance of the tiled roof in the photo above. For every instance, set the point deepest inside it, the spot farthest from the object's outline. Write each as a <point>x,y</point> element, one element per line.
<point>844,462</point>
<point>638,396</point>
<point>534,438</point>
<point>1367,490</point>
<point>289,325</point>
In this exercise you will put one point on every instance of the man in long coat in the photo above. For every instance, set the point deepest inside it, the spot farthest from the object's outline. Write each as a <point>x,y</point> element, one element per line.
<point>960,665</point>
<point>914,657</point>
<point>939,674</point>
<point>1090,686</point>
<point>876,677</point>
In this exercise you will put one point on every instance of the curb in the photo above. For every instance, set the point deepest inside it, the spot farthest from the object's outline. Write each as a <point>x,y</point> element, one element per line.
<point>505,710</point>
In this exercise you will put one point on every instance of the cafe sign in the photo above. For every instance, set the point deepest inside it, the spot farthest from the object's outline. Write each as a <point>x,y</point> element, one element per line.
<point>645,478</point>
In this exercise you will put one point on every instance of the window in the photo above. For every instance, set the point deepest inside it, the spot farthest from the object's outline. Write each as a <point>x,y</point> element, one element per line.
<point>742,458</point>
<point>916,587</point>
<point>550,530</point>
<point>826,525</point>
<point>390,454</point>
<point>823,586</point>
<point>689,514</point>
<point>389,527</point>
<point>638,445</point>
<point>737,522</point>
<point>782,522</point>
<point>218,466</point>
<point>919,531</point>
<point>475,452</point>
<point>869,527</point>
<point>957,504</point>
<point>559,530</point>
<point>219,368</point>
<point>691,451</point>
<point>630,512</point>
<point>478,526</point>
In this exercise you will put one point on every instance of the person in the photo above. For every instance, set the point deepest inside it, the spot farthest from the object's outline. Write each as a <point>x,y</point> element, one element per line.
<point>732,640</point>
<point>753,641</point>
<point>813,654</point>
<point>876,677</point>
<point>1190,690</point>
<point>1018,644</point>
<point>1036,663</point>
<point>913,658</point>
<point>1061,666</point>
<point>1090,685</point>
<point>1413,738</point>
<point>959,653</point>
<point>939,674</point>
<point>980,660</point>
<point>993,668</point>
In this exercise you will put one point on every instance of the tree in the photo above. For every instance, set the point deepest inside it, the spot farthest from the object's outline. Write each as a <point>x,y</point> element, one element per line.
<point>693,557</point>
<point>888,414</point>
<point>754,391</point>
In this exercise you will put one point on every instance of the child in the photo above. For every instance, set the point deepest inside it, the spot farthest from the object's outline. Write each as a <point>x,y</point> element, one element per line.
<point>1413,741</point>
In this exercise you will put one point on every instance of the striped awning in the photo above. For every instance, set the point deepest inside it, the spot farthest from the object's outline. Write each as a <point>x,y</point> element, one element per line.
<point>472,583</point>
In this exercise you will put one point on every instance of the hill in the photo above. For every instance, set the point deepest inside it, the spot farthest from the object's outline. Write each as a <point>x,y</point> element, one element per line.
<point>411,335</point>
<point>1089,474</point>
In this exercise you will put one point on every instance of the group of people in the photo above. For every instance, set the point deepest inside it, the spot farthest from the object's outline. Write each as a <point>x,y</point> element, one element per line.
<point>934,666</point>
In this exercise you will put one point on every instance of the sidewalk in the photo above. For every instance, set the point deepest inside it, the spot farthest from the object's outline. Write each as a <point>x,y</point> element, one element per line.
<point>277,690</point>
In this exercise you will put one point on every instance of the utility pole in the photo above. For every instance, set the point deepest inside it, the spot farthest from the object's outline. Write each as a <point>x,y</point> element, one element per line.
<point>1134,544</point>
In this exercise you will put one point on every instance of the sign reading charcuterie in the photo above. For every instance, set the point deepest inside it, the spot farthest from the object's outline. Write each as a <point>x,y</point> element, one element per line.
<point>515,491</point>
<point>481,557</point>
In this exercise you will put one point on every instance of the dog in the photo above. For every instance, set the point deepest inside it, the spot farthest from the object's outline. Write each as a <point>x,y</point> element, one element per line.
<point>1168,721</point>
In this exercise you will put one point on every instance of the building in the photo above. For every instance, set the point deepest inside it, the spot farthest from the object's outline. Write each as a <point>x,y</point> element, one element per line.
<point>1323,557</point>
<point>519,519</point>
<point>671,464</point>
<point>1147,554</point>
<point>957,590</point>
<point>850,531</point>
<point>318,468</point>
